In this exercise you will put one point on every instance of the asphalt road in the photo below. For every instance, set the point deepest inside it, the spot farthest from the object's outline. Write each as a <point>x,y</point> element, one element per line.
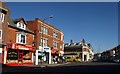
<point>70,67</point>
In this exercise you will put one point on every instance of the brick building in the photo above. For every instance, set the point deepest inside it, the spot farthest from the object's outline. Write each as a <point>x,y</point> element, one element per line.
<point>111,55</point>
<point>4,14</point>
<point>82,50</point>
<point>47,36</point>
<point>20,43</point>
<point>16,40</point>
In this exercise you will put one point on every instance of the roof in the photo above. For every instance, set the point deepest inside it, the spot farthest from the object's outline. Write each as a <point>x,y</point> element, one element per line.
<point>77,45</point>
<point>12,23</point>
<point>72,44</point>
<point>3,10</point>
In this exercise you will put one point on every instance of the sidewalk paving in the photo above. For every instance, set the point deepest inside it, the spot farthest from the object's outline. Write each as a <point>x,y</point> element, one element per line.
<point>47,65</point>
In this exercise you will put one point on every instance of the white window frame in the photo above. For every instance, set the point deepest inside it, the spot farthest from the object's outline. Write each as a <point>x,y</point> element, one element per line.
<point>19,36</point>
<point>44,30</point>
<point>1,34</point>
<point>55,34</point>
<point>45,42</point>
<point>2,16</point>
<point>20,25</point>
<point>55,45</point>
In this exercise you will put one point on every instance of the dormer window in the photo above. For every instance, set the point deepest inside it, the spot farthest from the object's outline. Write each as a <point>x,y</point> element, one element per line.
<point>21,25</point>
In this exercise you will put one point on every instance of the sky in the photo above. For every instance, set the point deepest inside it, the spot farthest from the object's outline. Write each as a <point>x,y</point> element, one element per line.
<point>96,22</point>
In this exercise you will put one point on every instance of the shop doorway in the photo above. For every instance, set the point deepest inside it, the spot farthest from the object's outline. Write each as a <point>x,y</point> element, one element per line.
<point>47,58</point>
<point>85,57</point>
<point>20,58</point>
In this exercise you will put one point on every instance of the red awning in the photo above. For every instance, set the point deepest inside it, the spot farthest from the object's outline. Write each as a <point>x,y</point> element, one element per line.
<point>58,51</point>
<point>53,51</point>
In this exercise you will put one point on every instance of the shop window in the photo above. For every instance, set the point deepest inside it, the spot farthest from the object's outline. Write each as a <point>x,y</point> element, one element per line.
<point>12,56</point>
<point>26,56</point>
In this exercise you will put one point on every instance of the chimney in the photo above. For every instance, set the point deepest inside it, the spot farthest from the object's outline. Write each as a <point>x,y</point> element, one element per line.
<point>71,41</point>
<point>83,40</point>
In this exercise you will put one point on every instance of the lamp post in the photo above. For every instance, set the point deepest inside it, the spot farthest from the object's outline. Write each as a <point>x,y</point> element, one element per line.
<point>43,30</point>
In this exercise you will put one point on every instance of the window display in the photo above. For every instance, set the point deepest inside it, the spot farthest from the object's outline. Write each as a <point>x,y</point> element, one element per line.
<point>12,56</point>
<point>26,57</point>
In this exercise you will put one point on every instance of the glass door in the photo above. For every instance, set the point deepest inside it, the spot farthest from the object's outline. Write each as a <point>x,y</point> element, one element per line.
<point>20,58</point>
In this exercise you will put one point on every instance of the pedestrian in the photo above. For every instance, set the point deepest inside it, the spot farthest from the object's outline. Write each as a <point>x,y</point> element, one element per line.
<point>54,60</point>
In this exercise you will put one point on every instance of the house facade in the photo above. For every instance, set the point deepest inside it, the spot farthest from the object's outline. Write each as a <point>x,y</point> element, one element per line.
<point>4,14</point>
<point>82,50</point>
<point>49,41</point>
<point>20,43</point>
<point>16,40</point>
<point>111,55</point>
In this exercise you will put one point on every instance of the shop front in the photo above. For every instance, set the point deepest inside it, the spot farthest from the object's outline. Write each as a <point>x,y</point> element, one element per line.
<point>19,55</point>
<point>43,55</point>
<point>1,54</point>
<point>2,49</point>
<point>57,56</point>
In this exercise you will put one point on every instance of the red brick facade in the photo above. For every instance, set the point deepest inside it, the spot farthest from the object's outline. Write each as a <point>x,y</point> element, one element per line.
<point>12,33</point>
<point>35,26</point>
<point>4,25</point>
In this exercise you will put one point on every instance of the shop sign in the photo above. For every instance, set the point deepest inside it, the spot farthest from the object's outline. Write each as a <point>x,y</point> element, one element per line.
<point>46,49</point>
<point>15,46</point>
<point>20,47</point>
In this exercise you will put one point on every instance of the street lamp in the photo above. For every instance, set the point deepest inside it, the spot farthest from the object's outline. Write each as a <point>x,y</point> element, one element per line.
<point>43,29</point>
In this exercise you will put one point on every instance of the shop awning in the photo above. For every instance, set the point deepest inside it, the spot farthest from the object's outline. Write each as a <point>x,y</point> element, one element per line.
<point>53,51</point>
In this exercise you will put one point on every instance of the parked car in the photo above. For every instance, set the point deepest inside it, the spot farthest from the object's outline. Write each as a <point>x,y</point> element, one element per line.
<point>69,59</point>
<point>77,59</point>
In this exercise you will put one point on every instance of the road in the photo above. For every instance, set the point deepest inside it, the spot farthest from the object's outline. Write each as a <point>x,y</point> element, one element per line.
<point>70,67</point>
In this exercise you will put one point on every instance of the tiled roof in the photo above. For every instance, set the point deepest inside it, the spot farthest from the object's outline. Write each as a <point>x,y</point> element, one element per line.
<point>17,20</point>
<point>12,23</point>
<point>73,45</point>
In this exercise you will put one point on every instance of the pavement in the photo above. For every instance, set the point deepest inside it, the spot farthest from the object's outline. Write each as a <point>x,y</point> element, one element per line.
<point>66,67</point>
<point>47,65</point>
